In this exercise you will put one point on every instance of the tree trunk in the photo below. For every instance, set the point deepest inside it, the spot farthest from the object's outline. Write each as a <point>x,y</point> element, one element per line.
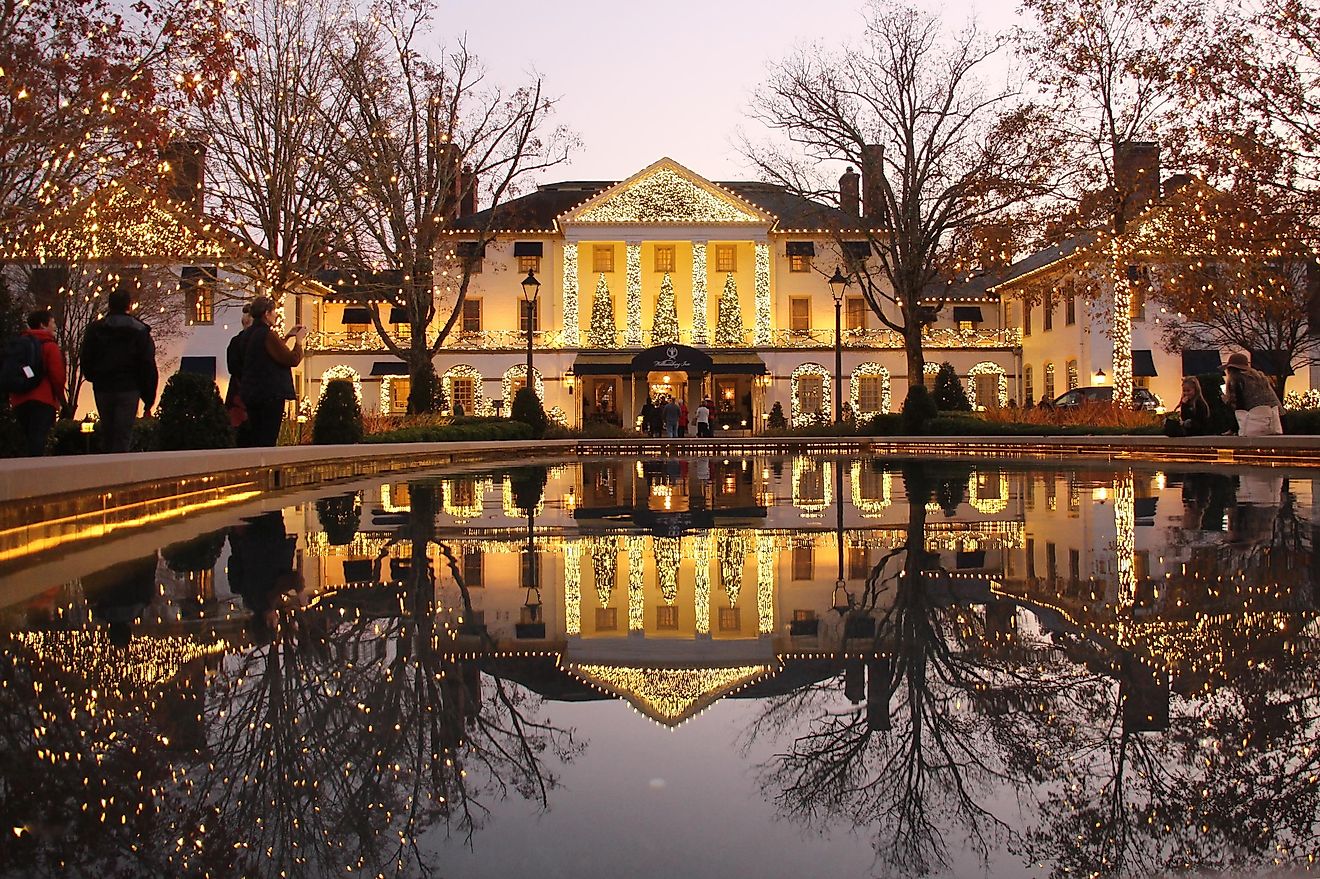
<point>422,381</point>
<point>916,357</point>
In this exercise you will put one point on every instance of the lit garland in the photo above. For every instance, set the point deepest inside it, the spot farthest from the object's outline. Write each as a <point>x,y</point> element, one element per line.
<point>989,506</point>
<point>870,507</point>
<point>667,695</point>
<point>387,499</point>
<point>729,323</point>
<point>604,332</point>
<point>604,565</point>
<point>701,581</point>
<point>1125,538</point>
<point>573,588</point>
<point>1050,389</point>
<point>664,324</point>
<point>634,277</point>
<point>664,195</point>
<point>855,389</point>
<point>463,370</point>
<point>765,584</point>
<point>799,417</point>
<point>636,583</point>
<point>761,333</point>
<point>511,509</point>
<point>1071,377</point>
<point>812,508</point>
<point>986,367</point>
<point>571,334</point>
<point>520,372</point>
<point>466,503</point>
<point>699,317</point>
<point>557,415</point>
<point>732,547</point>
<point>89,654</point>
<point>338,372</point>
<point>1309,399</point>
<point>667,553</point>
<point>387,392</point>
<point>1121,329</point>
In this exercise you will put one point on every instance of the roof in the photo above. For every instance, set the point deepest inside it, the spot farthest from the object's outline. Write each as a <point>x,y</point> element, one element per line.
<point>1042,259</point>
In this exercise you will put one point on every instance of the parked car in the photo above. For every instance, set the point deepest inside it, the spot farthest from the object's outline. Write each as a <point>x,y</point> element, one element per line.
<point>1142,398</point>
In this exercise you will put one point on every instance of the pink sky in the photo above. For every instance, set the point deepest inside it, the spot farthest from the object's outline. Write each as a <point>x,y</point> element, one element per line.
<point>640,81</point>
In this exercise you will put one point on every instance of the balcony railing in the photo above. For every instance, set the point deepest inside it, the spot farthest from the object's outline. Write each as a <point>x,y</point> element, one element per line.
<point>515,340</point>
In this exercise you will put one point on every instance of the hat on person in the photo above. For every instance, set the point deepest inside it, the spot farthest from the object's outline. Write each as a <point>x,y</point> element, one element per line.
<point>260,306</point>
<point>1236,360</point>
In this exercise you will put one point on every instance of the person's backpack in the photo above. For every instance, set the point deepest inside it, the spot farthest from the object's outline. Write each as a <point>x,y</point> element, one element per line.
<point>22,368</point>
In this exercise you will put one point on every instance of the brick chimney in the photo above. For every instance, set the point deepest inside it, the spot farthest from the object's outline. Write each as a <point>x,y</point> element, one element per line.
<point>183,173</point>
<point>1136,176</point>
<point>467,192</point>
<point>451,174</point>
<point>850,201</point>
<point>873,171</point>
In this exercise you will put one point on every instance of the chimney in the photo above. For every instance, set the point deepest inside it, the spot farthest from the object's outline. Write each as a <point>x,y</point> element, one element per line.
<point>467,192</point>
<point>450,173</point>
<point>849,199</point>
<point>183,173</point>
<point>1136,176</point>
<point>873,171</point>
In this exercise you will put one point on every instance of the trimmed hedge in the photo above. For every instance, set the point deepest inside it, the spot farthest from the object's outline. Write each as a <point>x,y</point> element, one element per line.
<point>338,416</point>
<point>954,425</point>
<point>191,415</point>
<point>481,431</point>
<point>1303,422</point>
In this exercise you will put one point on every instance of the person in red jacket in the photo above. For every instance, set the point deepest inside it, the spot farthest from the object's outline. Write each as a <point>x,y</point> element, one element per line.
<point>36,409</point>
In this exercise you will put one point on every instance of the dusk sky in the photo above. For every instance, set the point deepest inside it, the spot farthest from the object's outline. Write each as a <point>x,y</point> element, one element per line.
<point>641,81</point>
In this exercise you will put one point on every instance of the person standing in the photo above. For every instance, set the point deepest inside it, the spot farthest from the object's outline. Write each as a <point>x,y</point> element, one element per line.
<point>233,396</point>
<point>35,409</point>
<point>1251,395</point>
<point>703,418</point>
<point>671,413</point>
<point>682,417</point>
<point>119,359</point>
<point>267,372</point>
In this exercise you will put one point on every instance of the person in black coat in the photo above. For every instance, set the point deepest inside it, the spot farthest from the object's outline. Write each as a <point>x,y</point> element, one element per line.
<point>119,359</point>
<point>1192,417</point>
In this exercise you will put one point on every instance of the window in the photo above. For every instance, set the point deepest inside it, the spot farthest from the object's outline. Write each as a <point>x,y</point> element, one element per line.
<point>729,619</point>
<point>602,258</point>
<point>966,326</point>
<point>464,390</point>
<point>859,563</point>
<point>872,484</point>
<point>804,562</point>
<point>1048,309</point>
<point>607,619</point>
<point>1137,304</point>
<point>473,567</point>
<point>1074,567</point>
<point>197,283</point>
<point>400,388</point>
<point>799,262</point>
<point>1051,562</point>
<point>1070,308</point>
<point>726,258</point>
<point>528,264</point>
<point>987,390</point>
<point>855,313</point>
<point>811,393</point>
<point>524,307</point>
<point>1028,387</point>
<point>799,313</point>
<point>1026,318</point>
<point>666,617</point>
<point>870,390</point>
<point>471,315</point>
<point>1031,558</point>
<point>664,257</point>
<point>1072,374</point>
<point>1049,381</point>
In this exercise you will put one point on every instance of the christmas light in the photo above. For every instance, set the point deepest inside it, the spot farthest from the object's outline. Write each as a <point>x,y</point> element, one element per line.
<point>604,333</point>
<point>855,389</point>
<point>668,193</point>
<point>462,370</point>
<point>571,333</point>
<point>636,583</point>
<point>573,588</point>
<point>339,372</point>
<point>519,373</point>
<point>761,331</point>
<point>799,418</point>
<point>664,323</point>
<point>699,314</point>
<point>729,324</point>
<point>634,278</point>
<point>668,695</point>
<point>986,367</point>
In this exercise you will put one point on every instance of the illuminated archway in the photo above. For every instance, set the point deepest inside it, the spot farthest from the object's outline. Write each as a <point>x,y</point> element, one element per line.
<point>804,371</point>
<point>986,367</point>
<point>855,389</point>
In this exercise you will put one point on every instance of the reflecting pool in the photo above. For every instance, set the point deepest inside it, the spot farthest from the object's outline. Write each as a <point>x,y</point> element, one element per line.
<point>704,667</point>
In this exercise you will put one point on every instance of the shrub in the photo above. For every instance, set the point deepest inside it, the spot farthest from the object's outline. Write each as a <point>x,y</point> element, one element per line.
<point>191,415</point>
<point>11,438</point>
<point>777,421</point>
<point>482,431</point>
<point>949,394</point>
<point>527,485</point>
<point>918,408</point>
<point>884,424</point>
<point>338,417</point>
<point>67,438</point>
<point>1301,421</point>
<point>339,517</point>
<point>195,554</point>
<point>527,409</point>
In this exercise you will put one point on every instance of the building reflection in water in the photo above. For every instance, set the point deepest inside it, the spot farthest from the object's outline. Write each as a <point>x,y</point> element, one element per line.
<point>1126,655</point>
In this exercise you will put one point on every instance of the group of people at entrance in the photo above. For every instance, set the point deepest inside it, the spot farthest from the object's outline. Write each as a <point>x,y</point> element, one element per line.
<point>666,417</point>
<point>118,357</point>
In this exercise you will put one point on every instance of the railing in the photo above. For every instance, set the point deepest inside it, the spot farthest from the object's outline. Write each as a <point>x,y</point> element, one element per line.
<point>488,340</point>
<point>935,338</point>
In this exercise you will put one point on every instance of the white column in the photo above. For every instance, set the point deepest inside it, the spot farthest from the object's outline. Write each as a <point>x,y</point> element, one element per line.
<point>636,585</point>
<point>761,332</point>
<point>701,555</point>
<point>699,328</point>
<point>573,588</point>
<point>571,333</point>
<point>634,294</point>
<point>765,584</point>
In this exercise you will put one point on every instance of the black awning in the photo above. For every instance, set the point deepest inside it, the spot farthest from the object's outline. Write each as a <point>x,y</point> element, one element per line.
<point>801,248</point>
<point>1272,362</point>
<point>857,249</point>
<point>738,364</point>
<point>602,364</point>
<point>1143,363</point>
<point>672,358</point>
<point>1200,362</point>
<point>528,248</point>
<point>970,313</point>
<point>1144,507</point>
<point>357,315</point>
<point>358,571</point>
<point>398,315</point>
<point>198,366</point>
<point>389,367</point>
<point>972,559</point>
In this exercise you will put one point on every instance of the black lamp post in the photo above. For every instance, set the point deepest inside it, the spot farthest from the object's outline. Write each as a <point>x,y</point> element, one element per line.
<point>530,287</point>
<point>841,601</point>
<point>838,283</point>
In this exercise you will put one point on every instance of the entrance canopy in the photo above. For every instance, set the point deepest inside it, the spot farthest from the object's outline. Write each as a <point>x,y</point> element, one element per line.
<point>669,358</point>
<point>672,358</point>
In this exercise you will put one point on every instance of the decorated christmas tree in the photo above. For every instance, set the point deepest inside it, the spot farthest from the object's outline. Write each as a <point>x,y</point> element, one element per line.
<point>604,332</point>
<point>664,328</point>
<point>729,328</point>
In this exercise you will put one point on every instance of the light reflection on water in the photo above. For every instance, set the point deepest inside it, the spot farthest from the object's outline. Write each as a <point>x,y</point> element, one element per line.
<point>908,668</point>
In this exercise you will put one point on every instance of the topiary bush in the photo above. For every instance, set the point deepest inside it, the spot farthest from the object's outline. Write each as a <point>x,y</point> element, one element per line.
<point>195,554</point>
<point>777,421</point>
<point>191,415</point>
<point>527,485</point>
<point>339,517</point>
<point>949,393</point>
<point>338,417</point>
<point>527,408</point>
<point>918,409</point>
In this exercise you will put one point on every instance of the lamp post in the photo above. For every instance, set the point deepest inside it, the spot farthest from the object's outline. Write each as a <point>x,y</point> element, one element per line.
<point>841,600</point>
<point>530,287</point>
<point>838,283</point>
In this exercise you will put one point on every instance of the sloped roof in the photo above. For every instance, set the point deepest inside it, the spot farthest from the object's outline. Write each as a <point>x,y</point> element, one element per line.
<point>668,193</point>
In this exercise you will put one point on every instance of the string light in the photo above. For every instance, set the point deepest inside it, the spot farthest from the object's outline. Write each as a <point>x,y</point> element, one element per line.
<point>761,328</point>
<point>667,193</point>
<point>340,372</point>
<point>633,251</point>
<point>664,323</point>
<point>604,332</point>
<point>480,406</point>
<point>699,313</point>
<point>860,372</point>
<point>800,417</point>
<point>571,333</point>
<point>729,331</point>
<point>987,367</point>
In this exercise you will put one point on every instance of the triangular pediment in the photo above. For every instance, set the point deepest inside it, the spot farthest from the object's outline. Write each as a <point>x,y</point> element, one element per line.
<point>667,193</point>
<point>669,695</point>
<point>120,223</point>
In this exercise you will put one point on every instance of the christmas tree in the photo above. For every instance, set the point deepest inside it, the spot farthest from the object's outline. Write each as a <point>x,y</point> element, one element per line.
<point>664,327</point>
<point>604,333</point>
<point>949,394</point>
<point>729,328</point>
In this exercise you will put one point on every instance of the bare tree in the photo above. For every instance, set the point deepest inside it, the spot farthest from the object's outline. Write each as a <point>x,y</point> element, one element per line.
<point>942,155</point>
<point>421,135</point>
